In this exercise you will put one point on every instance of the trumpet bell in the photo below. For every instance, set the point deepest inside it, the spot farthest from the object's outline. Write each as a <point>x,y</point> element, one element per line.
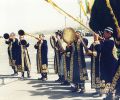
<point>21,32</point>
<point>23,42</point>
<point>6,36</point>
<point>69,35</point>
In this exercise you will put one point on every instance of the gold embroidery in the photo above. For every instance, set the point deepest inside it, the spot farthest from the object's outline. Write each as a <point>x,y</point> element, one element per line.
<point>44,68</point>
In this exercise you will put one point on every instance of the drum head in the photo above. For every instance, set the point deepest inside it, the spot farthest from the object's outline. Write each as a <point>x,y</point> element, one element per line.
<point>69,35</point>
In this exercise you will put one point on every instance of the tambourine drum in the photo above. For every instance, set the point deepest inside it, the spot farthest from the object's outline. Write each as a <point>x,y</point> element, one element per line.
<point>52,41</point>
<point>69,35</point>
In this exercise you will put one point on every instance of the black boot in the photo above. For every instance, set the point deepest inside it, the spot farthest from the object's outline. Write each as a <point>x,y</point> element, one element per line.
<point>82,87</point>
<point>28,74</point>
<point>109,96</point>
<point>65,83</point>
<point>74,88</point>
<point>59,79</point>
<point>62,78</point>
<point>42,76</point>
<point>15,72</point>
<point>97,93</point>
<point>22,76</point>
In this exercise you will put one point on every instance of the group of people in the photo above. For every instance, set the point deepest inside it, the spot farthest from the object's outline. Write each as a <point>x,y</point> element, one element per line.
<point>19,58</point>
<point>70,64</point>
<point>69,60</point>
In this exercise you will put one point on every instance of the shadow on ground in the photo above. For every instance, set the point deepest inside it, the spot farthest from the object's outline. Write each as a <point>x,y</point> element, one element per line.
<point>55,91</point>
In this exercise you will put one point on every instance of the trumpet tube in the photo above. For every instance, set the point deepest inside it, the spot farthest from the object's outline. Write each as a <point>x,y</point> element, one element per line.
<point>60,10</point>
<point>21,33</point>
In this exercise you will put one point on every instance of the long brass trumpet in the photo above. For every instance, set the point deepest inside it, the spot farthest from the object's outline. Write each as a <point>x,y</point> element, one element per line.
<point>61,11</point>
<point>22,33</point>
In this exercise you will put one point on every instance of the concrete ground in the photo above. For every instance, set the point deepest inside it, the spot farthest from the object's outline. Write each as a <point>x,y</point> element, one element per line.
<point>12,88</point>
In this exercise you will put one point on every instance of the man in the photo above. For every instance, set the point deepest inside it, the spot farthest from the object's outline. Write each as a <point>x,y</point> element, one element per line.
<point>23,60</point>
<point>56,57</point>
<point>108,56</point>
<point>108,60</point>
<point>67,60</point>
<point>60,56</point>
<point>95,64</point>
<point>12,53</point>
<point>78,71</point>
<point>42,57</point>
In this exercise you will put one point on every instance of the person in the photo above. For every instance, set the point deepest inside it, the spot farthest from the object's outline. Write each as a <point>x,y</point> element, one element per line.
<point>42,57</point>
<point>23,60</point>
<point>12,45</point>
<point>108,56</point>
<point>95,65</point>
<point>116,78</point>
<point>108,60</point>
<point>67,60</point>
<point>60,56</point>
<point>78,71</point>
<point>56,57</point>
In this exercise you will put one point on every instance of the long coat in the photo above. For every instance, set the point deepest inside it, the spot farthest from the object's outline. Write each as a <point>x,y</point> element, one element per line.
<point>67,60</point>
<point>12,51</point>
<point>108,61</point>
<point>78,71</point>
<point>95,66</point>
<point>23,60</point>
<point>54,45</point>
<point>42,57</point>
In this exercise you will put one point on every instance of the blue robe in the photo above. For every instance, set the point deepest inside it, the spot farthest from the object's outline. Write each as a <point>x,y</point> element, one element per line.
<point>60,59</point>
<point>78,71</point>
<point>54,45</point>
<point>108,64</point>
<point>67,61</point>
<point>23,60</point>
<point>12,51</point>
<point>95,66</point>
<point>42,56</point>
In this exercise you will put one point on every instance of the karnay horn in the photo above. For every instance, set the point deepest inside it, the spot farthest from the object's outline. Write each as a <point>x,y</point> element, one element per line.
<point>21,33</point>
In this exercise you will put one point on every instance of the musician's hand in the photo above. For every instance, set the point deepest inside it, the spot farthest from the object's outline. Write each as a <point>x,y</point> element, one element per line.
<point>89,52</point>
<point>79,40</point>
<point>62,51</point>
<point>96,37</point>
<point>37,38</point>
<point>94,53</point>
<point>58,37</point>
